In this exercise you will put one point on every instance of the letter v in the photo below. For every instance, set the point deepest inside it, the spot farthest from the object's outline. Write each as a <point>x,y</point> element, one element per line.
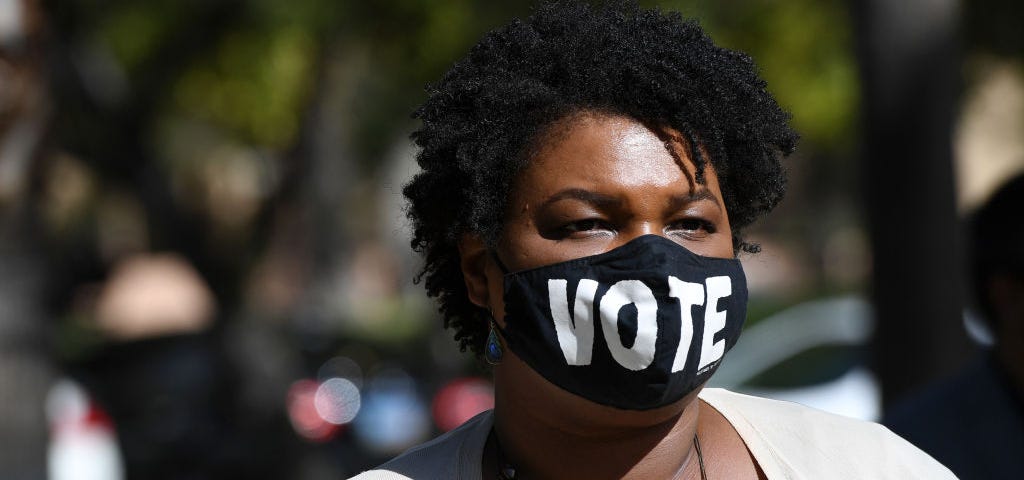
<point>576,332</point>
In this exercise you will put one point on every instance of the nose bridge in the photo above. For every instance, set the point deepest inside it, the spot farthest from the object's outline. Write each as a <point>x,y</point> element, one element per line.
<point>647,227</point>
<point>641,225</point>
<point>646,214</point>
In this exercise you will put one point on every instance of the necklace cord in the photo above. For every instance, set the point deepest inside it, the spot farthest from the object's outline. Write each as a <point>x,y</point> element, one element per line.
<point>700,457</point>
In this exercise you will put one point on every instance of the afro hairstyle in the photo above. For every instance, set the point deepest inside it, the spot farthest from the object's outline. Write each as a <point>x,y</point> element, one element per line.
<point>480,121</point>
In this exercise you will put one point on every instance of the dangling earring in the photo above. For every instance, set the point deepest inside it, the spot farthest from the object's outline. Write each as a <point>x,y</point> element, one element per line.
<point>492,349</point>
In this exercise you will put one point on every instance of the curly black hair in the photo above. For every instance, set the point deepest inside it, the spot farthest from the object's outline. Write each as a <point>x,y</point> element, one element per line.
<point>482,120</point>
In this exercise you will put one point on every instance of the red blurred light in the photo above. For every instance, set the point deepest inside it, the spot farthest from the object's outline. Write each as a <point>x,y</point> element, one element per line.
<point>97,417</point>
<point>302,413</point>
<point>461,400</point>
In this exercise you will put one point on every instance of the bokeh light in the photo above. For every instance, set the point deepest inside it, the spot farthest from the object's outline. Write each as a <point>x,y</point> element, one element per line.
<point>393,417</point>
<point>460,400</point>
<point>303,414</point>
<point>337,401</point>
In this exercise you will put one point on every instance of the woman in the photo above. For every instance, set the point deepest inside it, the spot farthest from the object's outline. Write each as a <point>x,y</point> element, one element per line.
<point>586,176</point>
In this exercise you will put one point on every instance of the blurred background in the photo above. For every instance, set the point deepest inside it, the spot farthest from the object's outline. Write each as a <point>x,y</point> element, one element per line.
<point>204,262</point>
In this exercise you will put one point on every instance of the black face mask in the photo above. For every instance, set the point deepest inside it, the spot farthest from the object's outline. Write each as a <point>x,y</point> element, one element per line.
<point>637,327</point>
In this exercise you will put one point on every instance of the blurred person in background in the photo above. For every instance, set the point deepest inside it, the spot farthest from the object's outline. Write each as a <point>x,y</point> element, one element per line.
<point>159,374</point>
<point>108,280</point>
<point>586,175</point>
<point>974,422</point>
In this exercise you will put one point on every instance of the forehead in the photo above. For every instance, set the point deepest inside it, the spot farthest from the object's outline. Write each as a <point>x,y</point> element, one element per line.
<point>606,151</point>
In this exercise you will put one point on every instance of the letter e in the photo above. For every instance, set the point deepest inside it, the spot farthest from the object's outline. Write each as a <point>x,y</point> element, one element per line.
<point>714,321</point>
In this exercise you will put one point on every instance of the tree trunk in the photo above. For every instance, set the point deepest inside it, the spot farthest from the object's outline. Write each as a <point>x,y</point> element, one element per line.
<point>909,58</point>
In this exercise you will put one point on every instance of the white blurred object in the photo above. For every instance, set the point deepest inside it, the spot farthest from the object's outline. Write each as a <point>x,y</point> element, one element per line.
<point>834,321</point>
<point>855,394</point>
<point>977,329</point>
<point>83,445</point>
<point>337,401</point>
<point>839,321</point>
<point>12,21</point>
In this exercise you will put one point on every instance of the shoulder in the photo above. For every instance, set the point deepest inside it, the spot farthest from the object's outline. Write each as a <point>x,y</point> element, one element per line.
<point>455,454</point>
<point>790,440</point>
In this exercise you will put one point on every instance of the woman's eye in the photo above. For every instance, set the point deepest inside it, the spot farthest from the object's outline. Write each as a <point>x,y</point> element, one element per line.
<point>694,227</point>
<point>590,225</point>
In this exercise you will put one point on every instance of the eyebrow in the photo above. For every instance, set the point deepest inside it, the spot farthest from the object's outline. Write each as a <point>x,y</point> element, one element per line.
<point>600,200</point>
<point>678,201</point>
<point>587,196</point>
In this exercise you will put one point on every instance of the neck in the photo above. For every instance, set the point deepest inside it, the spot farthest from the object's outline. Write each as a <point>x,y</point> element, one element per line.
<point>564,436</point>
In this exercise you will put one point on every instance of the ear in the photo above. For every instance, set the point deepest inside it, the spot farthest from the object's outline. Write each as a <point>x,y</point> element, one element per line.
<point>473,260</point>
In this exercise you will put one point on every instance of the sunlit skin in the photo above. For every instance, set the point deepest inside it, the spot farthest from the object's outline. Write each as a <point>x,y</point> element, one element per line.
<point>597,182</point>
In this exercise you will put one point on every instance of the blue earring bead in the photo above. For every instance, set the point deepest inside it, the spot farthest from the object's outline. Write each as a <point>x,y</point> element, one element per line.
<point>492,349</point>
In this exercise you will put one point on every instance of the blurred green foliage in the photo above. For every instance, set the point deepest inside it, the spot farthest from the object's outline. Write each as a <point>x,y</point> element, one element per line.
<point>133,31</point>
<point>258,78</point>
<point>253,83</point>
<point>804,50</point>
